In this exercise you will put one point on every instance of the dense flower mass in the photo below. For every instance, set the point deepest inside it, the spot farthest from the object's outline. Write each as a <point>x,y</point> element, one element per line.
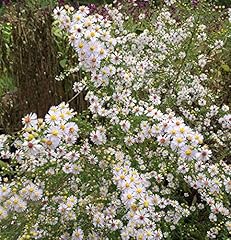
<point>150,159</point>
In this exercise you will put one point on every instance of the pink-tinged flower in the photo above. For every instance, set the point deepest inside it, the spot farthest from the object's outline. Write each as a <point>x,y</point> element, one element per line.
<point>30,120</point>
<point>98,137</point>
<point>142,217</point>
<point>204,154</point>
<point>32,147</point>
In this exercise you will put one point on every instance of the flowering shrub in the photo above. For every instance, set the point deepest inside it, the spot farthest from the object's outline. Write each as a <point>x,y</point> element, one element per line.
<point>150,157</point>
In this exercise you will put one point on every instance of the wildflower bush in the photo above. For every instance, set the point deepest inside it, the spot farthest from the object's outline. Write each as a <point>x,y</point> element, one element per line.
<point>150,158</point>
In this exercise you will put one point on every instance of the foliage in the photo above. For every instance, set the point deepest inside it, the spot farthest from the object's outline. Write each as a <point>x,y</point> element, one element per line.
<point>6,84</point>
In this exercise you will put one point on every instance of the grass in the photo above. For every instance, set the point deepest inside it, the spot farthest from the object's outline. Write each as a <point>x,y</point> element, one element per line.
<point>6,84</point>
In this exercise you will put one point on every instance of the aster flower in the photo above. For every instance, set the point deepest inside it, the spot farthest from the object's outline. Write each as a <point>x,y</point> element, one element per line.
<point>30,120</point>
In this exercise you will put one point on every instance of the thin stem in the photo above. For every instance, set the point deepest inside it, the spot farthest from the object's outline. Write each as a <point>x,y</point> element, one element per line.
<point>75,96</point>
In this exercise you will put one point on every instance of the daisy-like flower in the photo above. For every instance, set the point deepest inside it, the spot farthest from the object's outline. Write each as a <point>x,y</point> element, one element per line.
<point>141,234</point>
<point>4,192</point>
<point>158,235</point>
<point>155,99</point>
<point>51,142</point>
<point>69,112</point>
<point>204,154</point>
<point>139,190</point>
<point>76,169</point>
<point>227,184</point>
<point>187,152</point>
<point>79,45</point>
<point>78,18</point>
<point>98,219</point>
<point>183,130</point>
<point>59,13</point>
<point>102,52</point>
<point>142,217</point>
<point>54,132</point>
<point>30,120</point>
<point>32,147</point>
<point>172,131</point>
<point>65,236</point>
<point>91,48</point>
<point>85,148</point>
<point>3,213</point>
<point>177,142</point>
<point>128,197</point>
<point>146,201</point>
<point>198,138</point>
<point>72,200</point>
<point>72,156</point>
<point>125,125</point>
<point>32,192</point>
<point>183,168</point>
<point>98,137</point>
<point>93,62</point>
<point>17,204</point>
<point>67,168</point>
<point>156,200</point>
<point>228,223</point>
<point>115,58</point>
<point>52,117</point>
<point>71,128</point>
<point>153,112</point>
<point>62,208</point>
<point>163,140</point>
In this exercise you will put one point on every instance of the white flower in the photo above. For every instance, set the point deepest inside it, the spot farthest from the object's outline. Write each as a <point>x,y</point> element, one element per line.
<point>17,204</point>
<point>155,99</point>
<point>98,137</point>
<point>187,152</point>
<point>32,147</point>
<point>228,223</point>
<point>4,192</point>
<point>202,60</point>
<point>204,154</point>
<point>229,14</point>
<point>30,120</point>
<point>67,168</point>
<point>169,2</point>
<point>125,125</point>
<point>3,213</point>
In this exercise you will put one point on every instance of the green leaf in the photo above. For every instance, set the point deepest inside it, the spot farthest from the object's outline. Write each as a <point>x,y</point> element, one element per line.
<point>63,63</point>
<point>225,67</point>
<point>3,165</point>
<point>57,32</point>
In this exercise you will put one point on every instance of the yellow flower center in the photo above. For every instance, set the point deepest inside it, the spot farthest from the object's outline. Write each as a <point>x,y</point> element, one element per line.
<point>139,190</point>
<point>122,177</point>
<point>80,45</point>
<point>53,118</point>
<point>146,203</point>
<point>55,132</point>
<point>49,142</point>
<point>188,152</point>
<point>129,196</point>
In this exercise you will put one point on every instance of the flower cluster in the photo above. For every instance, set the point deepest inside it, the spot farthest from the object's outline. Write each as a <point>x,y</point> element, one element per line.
<point>226,121</point>
<point>88,34</point>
